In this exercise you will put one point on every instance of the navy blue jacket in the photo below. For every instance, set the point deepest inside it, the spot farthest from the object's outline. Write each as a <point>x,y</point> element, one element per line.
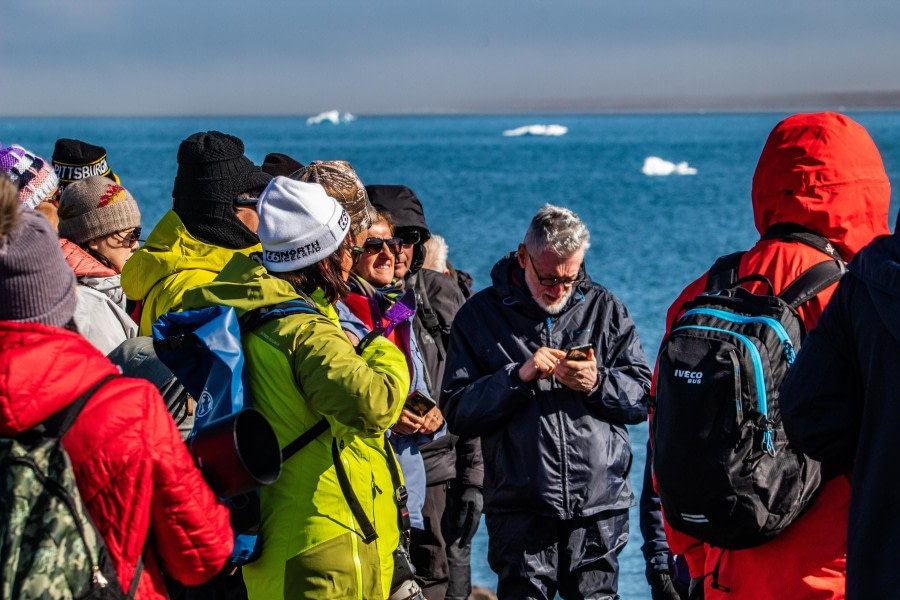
<point>840,406</point>
<point>547,449</point>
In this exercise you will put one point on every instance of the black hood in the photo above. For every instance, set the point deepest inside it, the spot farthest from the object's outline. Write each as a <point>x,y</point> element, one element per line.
<point>402,204</point>
<point>405,211</point>
<point>878,265</point>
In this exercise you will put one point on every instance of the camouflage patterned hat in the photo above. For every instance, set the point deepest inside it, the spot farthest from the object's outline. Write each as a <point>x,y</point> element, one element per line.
<point>341,183</point>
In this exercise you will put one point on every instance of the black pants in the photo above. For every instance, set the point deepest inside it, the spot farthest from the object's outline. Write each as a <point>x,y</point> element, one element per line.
<point>427,547</point>
<point>536,556</point>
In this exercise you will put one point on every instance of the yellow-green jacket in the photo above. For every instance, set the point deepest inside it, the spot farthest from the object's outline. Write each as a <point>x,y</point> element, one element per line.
<point>171,262</point>
<point>301,368</point>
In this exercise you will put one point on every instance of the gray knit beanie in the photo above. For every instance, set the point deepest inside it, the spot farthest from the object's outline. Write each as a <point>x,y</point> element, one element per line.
<point>36,284</point>
<point>94,207</point>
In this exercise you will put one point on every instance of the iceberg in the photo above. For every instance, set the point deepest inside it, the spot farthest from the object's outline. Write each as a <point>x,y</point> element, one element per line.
<point>331,116</point>
<point>551,130</point>
<point>654,165</point>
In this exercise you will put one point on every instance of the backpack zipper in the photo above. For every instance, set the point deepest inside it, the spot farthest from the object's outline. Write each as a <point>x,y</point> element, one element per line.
<point>786,342</point>
<point>762,403</point>
<point>739,409</point>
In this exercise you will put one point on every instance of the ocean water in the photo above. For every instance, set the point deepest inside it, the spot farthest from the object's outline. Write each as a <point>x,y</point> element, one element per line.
<point>650,235</point>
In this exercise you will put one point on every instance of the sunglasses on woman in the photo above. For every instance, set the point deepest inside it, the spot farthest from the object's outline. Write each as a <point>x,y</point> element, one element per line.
<point>129,238</point>
<point>374,245</point>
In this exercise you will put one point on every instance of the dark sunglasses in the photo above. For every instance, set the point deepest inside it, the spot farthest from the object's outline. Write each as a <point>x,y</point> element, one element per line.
<point>374,245</point>
<point>554,281</point>
<point>410,238</point>
<point>130,237</point>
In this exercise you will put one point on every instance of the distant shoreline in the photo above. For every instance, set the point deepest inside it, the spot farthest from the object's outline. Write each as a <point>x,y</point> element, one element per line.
<point>838,101</point>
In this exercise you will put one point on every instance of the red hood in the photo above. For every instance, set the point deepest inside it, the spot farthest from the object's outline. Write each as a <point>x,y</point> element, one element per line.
<point>81,262</point>
<point>42,369</point>
<point>823,171</point>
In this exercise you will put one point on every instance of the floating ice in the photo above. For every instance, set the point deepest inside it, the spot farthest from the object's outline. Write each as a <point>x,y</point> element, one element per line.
<point>537,130</point>
<point>330,116</point>
<point>654,165</point>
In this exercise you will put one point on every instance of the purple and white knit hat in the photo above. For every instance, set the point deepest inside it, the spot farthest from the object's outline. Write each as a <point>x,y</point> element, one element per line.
<point>34,176</point>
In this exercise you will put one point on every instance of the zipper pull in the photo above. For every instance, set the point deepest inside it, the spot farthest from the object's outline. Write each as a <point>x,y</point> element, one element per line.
<point>789,354</point>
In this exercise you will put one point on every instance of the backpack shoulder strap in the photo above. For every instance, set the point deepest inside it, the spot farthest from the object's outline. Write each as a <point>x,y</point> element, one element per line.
<point>812,281</point>
<point>797,233</point>
<point>256,318</point>
<point>59,424</point>
<point>724,272</point>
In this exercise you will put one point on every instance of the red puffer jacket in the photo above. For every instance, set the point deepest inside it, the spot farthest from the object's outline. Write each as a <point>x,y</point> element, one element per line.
<point>133,471</point>
<point>823,172</point>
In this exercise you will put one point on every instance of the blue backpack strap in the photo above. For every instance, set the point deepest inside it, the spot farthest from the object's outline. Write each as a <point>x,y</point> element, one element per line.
<point>256,318</point>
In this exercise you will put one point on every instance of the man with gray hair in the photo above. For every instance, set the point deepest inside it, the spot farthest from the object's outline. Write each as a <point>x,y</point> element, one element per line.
<point>546,366</point>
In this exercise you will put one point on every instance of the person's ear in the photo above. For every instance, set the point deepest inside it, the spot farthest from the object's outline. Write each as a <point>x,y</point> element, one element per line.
<point>522,254</point>
<point>94,244</point>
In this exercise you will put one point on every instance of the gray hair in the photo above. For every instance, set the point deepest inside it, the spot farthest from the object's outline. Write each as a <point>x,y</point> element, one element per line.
<point>436,253</point>
<point>558,230</point>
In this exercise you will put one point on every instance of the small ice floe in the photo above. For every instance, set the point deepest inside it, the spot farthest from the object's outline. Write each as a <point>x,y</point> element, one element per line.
<point>654,165</point>
<point>330,116</point>
<point>551,130</point>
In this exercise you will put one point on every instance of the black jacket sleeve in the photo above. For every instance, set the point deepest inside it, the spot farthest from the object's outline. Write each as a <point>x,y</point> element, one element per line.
<point>655,548</point>
<point>624,375</point>
<point>821,398</point>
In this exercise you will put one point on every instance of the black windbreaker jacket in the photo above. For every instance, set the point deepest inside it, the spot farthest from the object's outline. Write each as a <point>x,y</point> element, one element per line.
<point>547,449</point>
<point>840,406</point>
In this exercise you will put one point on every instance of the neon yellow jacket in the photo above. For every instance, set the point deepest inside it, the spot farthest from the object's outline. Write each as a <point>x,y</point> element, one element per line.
<point>171,262</point>
<point>301,368</point>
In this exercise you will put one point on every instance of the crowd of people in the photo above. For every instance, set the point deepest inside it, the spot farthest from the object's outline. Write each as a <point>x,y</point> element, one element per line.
<point>437,403</point>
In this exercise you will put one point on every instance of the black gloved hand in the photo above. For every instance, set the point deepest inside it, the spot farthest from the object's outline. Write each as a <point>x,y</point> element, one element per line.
<point>661,586</point>
<point>471,502</point>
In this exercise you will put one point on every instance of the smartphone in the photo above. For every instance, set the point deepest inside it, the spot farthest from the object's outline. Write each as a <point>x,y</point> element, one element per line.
<point>578,352</point>
<point>419,403</point>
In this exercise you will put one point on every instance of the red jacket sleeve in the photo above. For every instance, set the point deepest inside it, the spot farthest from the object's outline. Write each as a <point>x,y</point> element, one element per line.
<point>189,525</point>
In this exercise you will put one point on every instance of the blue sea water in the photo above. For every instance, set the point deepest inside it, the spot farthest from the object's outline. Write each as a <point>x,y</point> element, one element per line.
<point>650,236</point>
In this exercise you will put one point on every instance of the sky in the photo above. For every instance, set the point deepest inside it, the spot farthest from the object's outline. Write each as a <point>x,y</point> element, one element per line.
<point>223,57</point>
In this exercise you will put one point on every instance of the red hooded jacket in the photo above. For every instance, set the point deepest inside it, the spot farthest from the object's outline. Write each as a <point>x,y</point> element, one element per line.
<point>132,469</point>
<point>823,172</point>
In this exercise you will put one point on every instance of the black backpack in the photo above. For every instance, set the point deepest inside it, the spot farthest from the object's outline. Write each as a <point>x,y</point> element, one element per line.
<point>725,471</point>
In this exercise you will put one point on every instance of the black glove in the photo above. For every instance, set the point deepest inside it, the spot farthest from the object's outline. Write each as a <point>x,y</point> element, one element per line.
<point>471,502</point>
<point>661,586</point>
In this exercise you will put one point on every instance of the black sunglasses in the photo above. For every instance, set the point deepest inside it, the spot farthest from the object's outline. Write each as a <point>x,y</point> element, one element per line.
<point>554,281</point>
<point>374,245</point>
<point>410,238</point>
<point>129,238</point>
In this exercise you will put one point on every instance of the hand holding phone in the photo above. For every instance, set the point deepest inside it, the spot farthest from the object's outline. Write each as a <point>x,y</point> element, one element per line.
<point>419,403</point>
<point>578,352</point>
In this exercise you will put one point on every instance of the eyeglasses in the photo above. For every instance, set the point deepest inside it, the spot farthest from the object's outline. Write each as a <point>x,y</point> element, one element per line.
<point>246,201</point>
<point>555,281</point>
<point>410,238</point>
<point>374,245</point>
<point>129,238</point>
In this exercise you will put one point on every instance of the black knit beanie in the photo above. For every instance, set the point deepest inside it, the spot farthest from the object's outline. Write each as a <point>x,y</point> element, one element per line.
<point>212,173</point>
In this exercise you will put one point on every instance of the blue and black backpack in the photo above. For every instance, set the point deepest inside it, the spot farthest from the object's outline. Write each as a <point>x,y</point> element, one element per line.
<point>203,348</point>
<point>725,471</point>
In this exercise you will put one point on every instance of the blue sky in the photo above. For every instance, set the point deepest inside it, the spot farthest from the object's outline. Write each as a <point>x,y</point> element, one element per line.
<point>171,57</point>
